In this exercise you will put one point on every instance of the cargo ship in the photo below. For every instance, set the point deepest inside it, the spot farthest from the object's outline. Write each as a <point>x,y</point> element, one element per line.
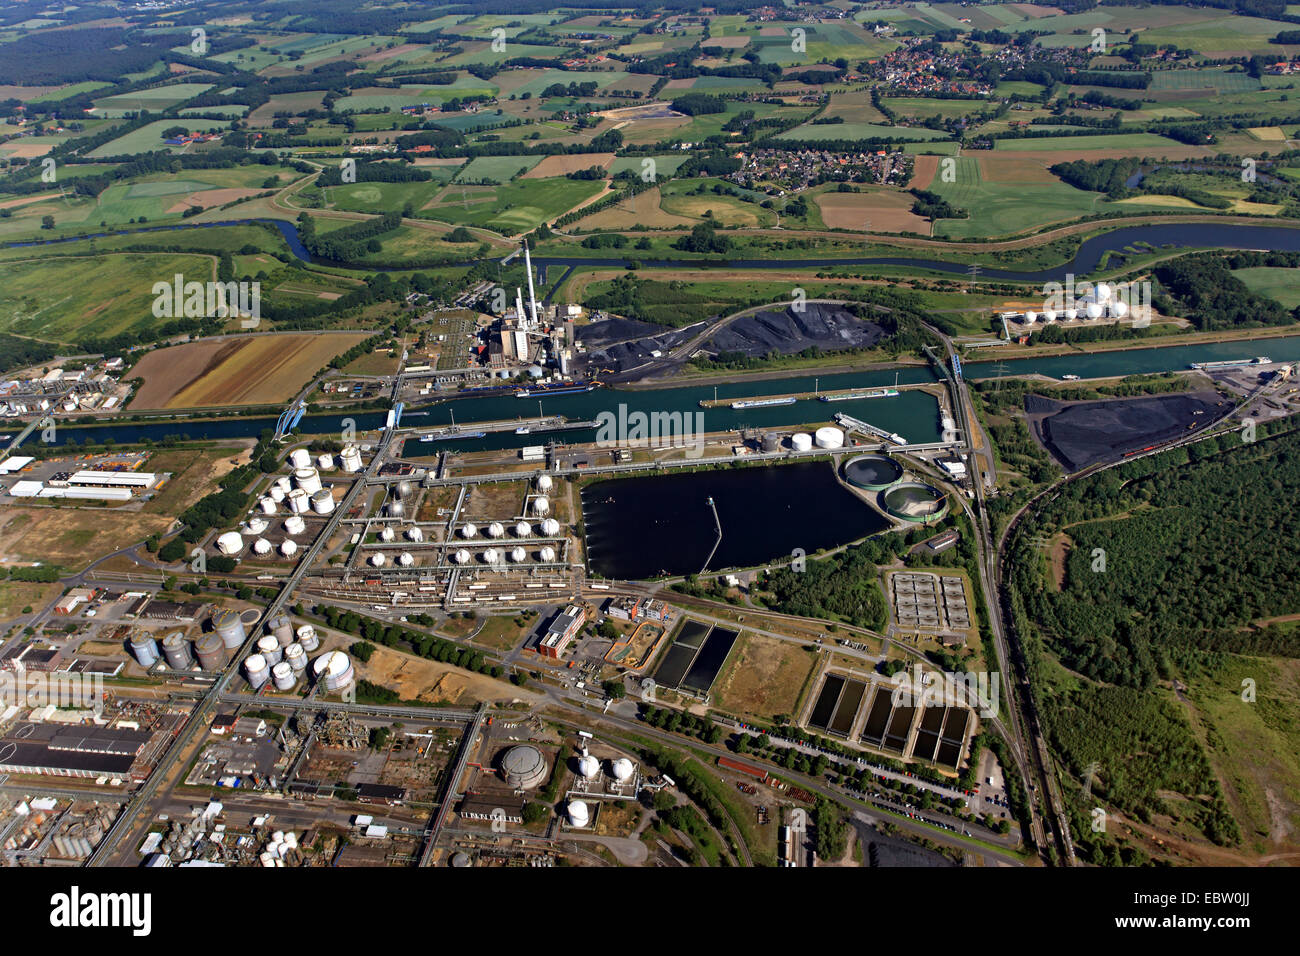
<point>568,388</point>
<point>854,396</point>
<point>763,402</point>
<point>454,435</point>
<point>1231,363</point>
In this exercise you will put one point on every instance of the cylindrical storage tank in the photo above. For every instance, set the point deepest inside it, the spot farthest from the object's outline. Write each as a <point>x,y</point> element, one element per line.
<point>829,437</point>
<point>210,651</point>
<point>322,502</point>
<point>288,547</point>
<point>276,494</point>
<point>579,815</point>
<point>334,670</point>
<point>518,554</point>
<point>282,628</point>
<point>325,463</point>
<point>378,559</point>
<point>300,458</point>
<point>771,442</point>
<point>267,504</point>
<point>177,651</point>
<point>308,479</point>
<point>462,556</point>
<point>350,459</point>
<point>492,556</point>
<point>872,472</point>
<point>261,546</point>
<point>469,530</point>
<point>296,657</point>
<point>230,543</point>
<point>495,530</point>
<point>623,769</point>
<point>387,534</point>
<point>544,484</point>
<point>547,554</point>
<point>269,648</point>
<point>541,505</point>
<point>299,502</point>
<point>307,638</point>
<point>523,529</point>
<point>801,441</point>
<point>295,525</point>
<point>283,676</point>
<point>283,484</point>
<point>144,647</point>
<point>414,534</point>
<point>550,527</point>
<point>396,508</point>
<point>229,626</point>
<point>257,670</point>
<point>256,525</point>
<point>405,559</point>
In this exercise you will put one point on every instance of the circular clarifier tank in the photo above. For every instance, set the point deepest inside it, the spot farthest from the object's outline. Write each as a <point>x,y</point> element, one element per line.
<point>915,501</point>
<point>872,472</point>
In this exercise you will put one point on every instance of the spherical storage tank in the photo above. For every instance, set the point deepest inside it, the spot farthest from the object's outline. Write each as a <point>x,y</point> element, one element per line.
<point>492,556</point>
<point>550,527</point>
<point>229,626</point>
<point>307,638</point>
<point>288,548</point>
<point>405,559</point>
<point>544,484</point>
<point>588,766</point>
<point>541,505</point>
<point>801,441</point>
<point>872,472</point>
<point>1049,315</point>
<point>578,814</point>
<point>830,437</point>
<point>623,769</point>
<point>547,554</point>
<point>495,530</point>
<point>462,556</point>
<point>322,502</point>
<point>1031,317</point>
<point>414,533</point>
<point>523,529</point>
<point>1071,314</point>
<point>283,676</point>
<point>295,525</point>
<point>210,651</point>
<point>177,651</point>
<point>524,767</point>
<point>404,489</point>
<point>377,559</point>
<point>144,647</point>
<point>1093,310</point>
<point>299,502</point>
<point>915,501</point>
<point>257,670</point>
<point>261,546</point>
<point>230,543</point>
<point>387,534</point>
<point>395,507</point>
<point>350,459</point>
<point>308,479</point>
<point>469,530</point>
<point>300,458</point>
<point>334,670</point>
<point>518,554</point>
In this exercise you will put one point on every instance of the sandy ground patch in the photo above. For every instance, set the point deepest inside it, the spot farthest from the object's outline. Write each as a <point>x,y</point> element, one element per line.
<point>22,150</point>
<point>641,209</point>
<point>207,198</point>
<point>26,200</point>
<point>886,211</point>
<point>727,43</point>
<point>416,678</point>
<point>1014,169</point>
<point>765,677</point>
<point>563,165</point>
<point>923,172</point>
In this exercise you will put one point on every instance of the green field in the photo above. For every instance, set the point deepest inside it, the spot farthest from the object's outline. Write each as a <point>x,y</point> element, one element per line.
<point>1282,285</point>
<point>149,138</point>
<point>859,131</point>
<point>515,207</point>
<point>154,100</point>
<point>495,169</point>
<point>1135,141</point>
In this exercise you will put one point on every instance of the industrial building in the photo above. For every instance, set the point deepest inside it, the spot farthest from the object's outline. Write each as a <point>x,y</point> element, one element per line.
<point>75,751</point>
<point>561,631</point>
<point>523,767</point>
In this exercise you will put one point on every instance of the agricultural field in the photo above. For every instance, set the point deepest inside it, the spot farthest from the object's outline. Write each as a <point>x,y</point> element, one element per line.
<point>243,370</point>
<point>1279,284</point>
<point>512,208</point>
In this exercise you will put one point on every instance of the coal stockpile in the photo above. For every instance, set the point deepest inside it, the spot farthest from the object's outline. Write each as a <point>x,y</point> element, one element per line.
<point>621,356</point>
<point>1080,434</point>
<point>827,327</point>
<point>598,334</point>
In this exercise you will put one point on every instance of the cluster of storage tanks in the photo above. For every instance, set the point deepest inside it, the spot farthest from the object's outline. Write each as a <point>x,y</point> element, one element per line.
<point>210,650</point>
<point>577,812</point>
<point>826,437</point>
<point>282,657</point>
<point>1101,301</point>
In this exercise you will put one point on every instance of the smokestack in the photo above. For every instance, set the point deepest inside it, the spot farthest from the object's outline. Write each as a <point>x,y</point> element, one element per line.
<point>532,297</point>
<point>519,308</point>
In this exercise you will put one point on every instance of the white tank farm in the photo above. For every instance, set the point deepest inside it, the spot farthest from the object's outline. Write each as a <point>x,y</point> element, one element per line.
<point>267,504</point>
<point>300,458</point>
<point>283,676</point>
<point>547,554</point>
<point>296,657</point>
<point>377,559</point>
<point>541,505</point>
<point>256,525</point>
<point>496,529</point>
<point>299,502</point>
<point>387,534</point>
<point>469,530</point>
<point>257,669</point>
<point>307,638</point>
<point>288,548</point>
<point>830,437</point>
<point>545,484</point>
<point>144,647</point>
<point>350,459</point>
<point>322,501</point>
<point>550,527</point>
<point>333,669</point>
<point>405,559</point>
<point>308,479</point>
<point>295,525</point>
<point>325,463</point>
<point>518,555</point>
<point>801,441</point>
<point>623,769</point>
<point>413,533</point>
<point>230,543</point>
<point>588,766</point>
<point>177,651</point>
<point>261,546</point>
<point>579,815</point>
<point>269,648</point>
<point>283,484</point>
<point>492,556</point>
<point>523,529</point>
<point>462,556</point>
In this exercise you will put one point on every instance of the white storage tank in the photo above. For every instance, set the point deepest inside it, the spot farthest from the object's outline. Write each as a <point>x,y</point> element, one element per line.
<point>541,505</point>
<point>623,769</point>
<point>230,543</point>
<point>257,669</point>
<point>325,463</point>
<point>1049,315</point>
<point>1094,310</point>
<point>307,638</point>
<point>334,670</point>
<point>276,494</point>
<point>395,508</point>
<point>387,534</point>
<point>296,657</point>
<point>1118,308</point>
<point>801,441</point>
<point>267,504</point>
<point>547,554</point>
<point>144,647</point>
<point>550,527</point>
<point>299,503</point>
<point>462,556</point>
<point>295,525</point>
<point>495,530</point>
<point>322,501</point>
<point>350,459</point>
<point>283,676</point>
<point>283,484</point>
<point>269,648</point>
<point>830,437</point>
<point>308,479</point>
<point>545,484</point>
<point>588,766</point>
<point>1071,314</point>
<point>256,525</point>
<point>492,556</point>
<point>579,815</point>
<point>300,458</point>
<point>518,555</point>
<point>377,559</point>
<point>523,529</point>
<point>261,546</point>
<point>405,559</point>
<point>413,533</point>
<point>288,547</point>
<point>1031,317</point>
<point>469,530</point>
